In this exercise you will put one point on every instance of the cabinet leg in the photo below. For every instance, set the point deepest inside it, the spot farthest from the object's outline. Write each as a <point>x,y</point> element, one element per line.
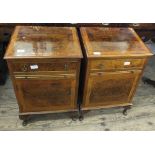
<point>145,38</point>
<point>25,122</point>
<point>25,119</point>
<point>74,116</point>
<point>125,111</point>
<point>81,117</point>
<point>148,81</point>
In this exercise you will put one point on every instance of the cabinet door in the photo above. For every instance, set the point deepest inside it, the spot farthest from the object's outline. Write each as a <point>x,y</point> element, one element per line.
<point>46,94</point>
<point>111,88</point>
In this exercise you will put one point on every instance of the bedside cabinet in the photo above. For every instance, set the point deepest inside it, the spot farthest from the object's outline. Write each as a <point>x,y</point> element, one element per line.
<point>114,62</point>
<point>44,64</point>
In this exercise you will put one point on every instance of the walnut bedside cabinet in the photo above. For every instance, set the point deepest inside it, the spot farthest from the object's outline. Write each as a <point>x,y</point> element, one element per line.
<point>44,64</point>
<point>114,62</point>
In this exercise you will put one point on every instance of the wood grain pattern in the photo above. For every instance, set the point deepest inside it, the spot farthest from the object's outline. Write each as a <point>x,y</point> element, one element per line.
<point>112,42</point>
<point>52,86</point>
<point>110,88</point>
<point>117,64</point>
<point>141,116</point>
<point>112,69</point>
<point>49,42</point>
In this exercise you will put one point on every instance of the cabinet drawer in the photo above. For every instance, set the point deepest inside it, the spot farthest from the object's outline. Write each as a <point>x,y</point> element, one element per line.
<point>36,67</point>
<point>120,64</point>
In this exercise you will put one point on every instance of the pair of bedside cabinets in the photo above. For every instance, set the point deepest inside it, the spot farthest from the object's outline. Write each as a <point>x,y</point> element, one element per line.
<point>60,69</point>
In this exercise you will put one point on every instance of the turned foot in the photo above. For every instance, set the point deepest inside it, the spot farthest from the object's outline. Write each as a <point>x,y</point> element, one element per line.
<point>25,119</point>
<point>148,81</point>
<point>81,117</point>
<point>145,38</point>
<point>125,111</point>
<point>74,116</point>
<point>25,122</point>
<point>144,79</point>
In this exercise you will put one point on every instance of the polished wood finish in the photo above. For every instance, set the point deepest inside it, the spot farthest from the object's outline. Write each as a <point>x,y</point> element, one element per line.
<point>115,59</point>
<point>118,64</point>
<point>44,64</point>
<point>49,42</point>
<point>113,42</point>
<point>110,88</point>
<point>19,66</point>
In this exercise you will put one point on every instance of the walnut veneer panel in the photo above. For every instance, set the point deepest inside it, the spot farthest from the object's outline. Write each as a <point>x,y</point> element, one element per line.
<point>114,62</point>
<point>41,42</point>
<point>44,64</point>
<point>112,42</point>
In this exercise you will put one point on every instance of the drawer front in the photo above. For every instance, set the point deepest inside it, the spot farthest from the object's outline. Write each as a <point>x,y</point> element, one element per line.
<point>120,64</point>
<point>36,67</point>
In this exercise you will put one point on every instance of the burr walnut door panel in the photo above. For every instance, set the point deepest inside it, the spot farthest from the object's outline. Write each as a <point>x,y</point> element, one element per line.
<point>110,88</point>
<point>37,95</point>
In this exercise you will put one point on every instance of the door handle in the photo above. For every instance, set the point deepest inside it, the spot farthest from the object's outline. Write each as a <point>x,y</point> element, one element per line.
<point>25,68</point>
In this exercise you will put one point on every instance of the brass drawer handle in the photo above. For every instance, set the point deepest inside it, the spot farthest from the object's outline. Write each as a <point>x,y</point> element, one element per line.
<point>25,68</point>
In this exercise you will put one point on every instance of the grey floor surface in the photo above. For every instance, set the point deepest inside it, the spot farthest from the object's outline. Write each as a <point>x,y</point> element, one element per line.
<point>140,117</point>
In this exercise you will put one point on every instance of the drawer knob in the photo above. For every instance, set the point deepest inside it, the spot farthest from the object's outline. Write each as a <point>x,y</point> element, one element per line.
<point>25,68</point>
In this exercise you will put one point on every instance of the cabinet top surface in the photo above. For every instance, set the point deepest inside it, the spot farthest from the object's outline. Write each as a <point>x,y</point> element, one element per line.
<point>44,42</point>
<point>112,42</point>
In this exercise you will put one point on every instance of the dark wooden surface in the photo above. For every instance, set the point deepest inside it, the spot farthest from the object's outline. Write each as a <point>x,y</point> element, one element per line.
<point>5,34</point>
<point>115,59</point>
<point>53,85</point>
<point>145,30</point>
<point>135,25</point>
